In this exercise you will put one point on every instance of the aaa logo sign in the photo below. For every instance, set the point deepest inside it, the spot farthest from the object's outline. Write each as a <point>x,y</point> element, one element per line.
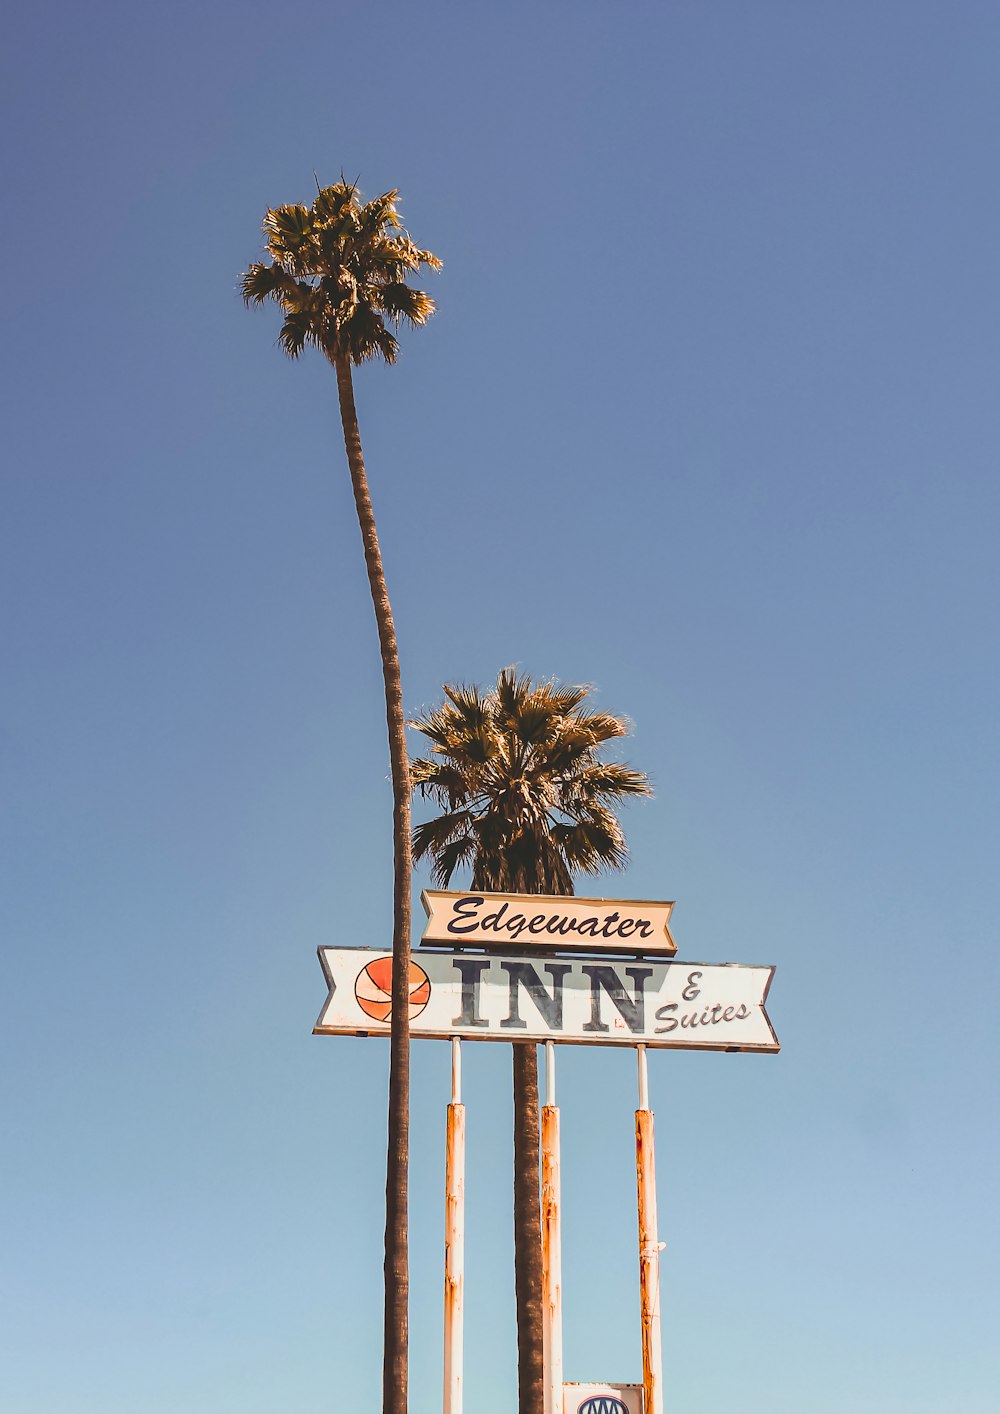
<point>602,1399</point>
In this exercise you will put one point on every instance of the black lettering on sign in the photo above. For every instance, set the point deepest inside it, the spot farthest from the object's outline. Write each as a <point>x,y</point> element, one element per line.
<point>689,1020</point>
<point>492,920</point>
<point>669,1022</point>
<point>522,974</point>
<point>631,1009</point>
<point>692,990</point>
<point>464,909</point>
<point>471,972</point>
<point>467,917</point>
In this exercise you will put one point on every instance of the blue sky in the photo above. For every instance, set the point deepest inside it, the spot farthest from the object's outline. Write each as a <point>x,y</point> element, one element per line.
<point>708,419</point>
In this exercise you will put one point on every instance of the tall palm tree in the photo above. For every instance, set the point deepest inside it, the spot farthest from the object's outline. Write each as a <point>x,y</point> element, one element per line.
<point>338,270</point>
<point>527,803</point>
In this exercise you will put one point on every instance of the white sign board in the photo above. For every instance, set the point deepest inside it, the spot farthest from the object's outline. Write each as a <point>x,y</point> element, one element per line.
<point>602,1399</point>
<point>547,922</point>
<point>535,997</point>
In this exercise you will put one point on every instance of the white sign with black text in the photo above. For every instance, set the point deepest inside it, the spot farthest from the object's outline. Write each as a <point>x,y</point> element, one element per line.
<point>536,997</point>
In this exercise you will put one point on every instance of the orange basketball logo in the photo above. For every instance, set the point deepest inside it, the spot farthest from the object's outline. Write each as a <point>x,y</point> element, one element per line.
<point>373,989</point>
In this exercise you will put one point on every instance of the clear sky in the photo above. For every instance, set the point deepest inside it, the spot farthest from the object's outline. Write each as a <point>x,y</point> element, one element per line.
<point>708,418</point>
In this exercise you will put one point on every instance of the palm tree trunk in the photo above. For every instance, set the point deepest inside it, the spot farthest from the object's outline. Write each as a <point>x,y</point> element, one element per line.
<point>527,1210</point>
<point>527,1231</point>
<point>397,1277</point>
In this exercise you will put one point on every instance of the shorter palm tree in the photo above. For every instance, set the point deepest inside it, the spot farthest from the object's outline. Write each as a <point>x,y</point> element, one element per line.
<point>527,803</point>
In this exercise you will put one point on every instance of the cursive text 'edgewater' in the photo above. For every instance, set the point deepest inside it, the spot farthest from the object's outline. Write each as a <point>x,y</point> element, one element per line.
<point>466,919</point>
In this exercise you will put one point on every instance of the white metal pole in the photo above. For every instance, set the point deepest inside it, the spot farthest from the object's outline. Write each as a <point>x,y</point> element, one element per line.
<point>552,1343</point>
<point>454,1239</point>
<point>550,1073</point>
<point>649,1247</point>
<point>643,1078</point>
<point>456,1071</point>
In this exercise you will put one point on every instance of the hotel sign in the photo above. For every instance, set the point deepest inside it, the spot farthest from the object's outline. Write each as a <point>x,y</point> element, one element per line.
<point>547,997</point>
<point>547,922</point>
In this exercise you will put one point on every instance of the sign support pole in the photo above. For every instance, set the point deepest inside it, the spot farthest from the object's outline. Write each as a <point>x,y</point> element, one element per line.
<point>552,1343</point>
<point>454,1239</point>
<point>649,1247</point>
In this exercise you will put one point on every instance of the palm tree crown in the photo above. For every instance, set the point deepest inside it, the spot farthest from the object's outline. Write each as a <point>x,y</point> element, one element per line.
<point>339,270</point>
<point>528,801</point>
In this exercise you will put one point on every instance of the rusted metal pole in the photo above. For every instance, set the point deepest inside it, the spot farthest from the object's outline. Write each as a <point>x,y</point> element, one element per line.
<point>649,1248</point>
<point>454,1239</point>
<point>552,1343</point>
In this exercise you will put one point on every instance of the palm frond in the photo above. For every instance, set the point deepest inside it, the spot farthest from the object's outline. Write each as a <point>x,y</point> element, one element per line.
<point>288,223</point>
<point>569,749</point>
<point>401,302</point>
<point>331,202</point>
<point>563,700</point>
<point>438,726</point>
<point>471,707</point>
<point>590,845</point>
<point>510,689</point>
<point>604,780</point>
<point>363,334</point>
<point>419,259</point>
<point>263,282</point>
<point>455,852</point>
<point>379,213</point>
<point>441,779</point>
<point>290,238</point>
<point>602,726</point>
<point>295,333</point>
<point>475,747</point>
<point>434,834</point>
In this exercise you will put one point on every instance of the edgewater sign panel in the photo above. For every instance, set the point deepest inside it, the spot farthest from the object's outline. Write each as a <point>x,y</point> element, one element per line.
<point>586,1001</point>
<point>547,922</point>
